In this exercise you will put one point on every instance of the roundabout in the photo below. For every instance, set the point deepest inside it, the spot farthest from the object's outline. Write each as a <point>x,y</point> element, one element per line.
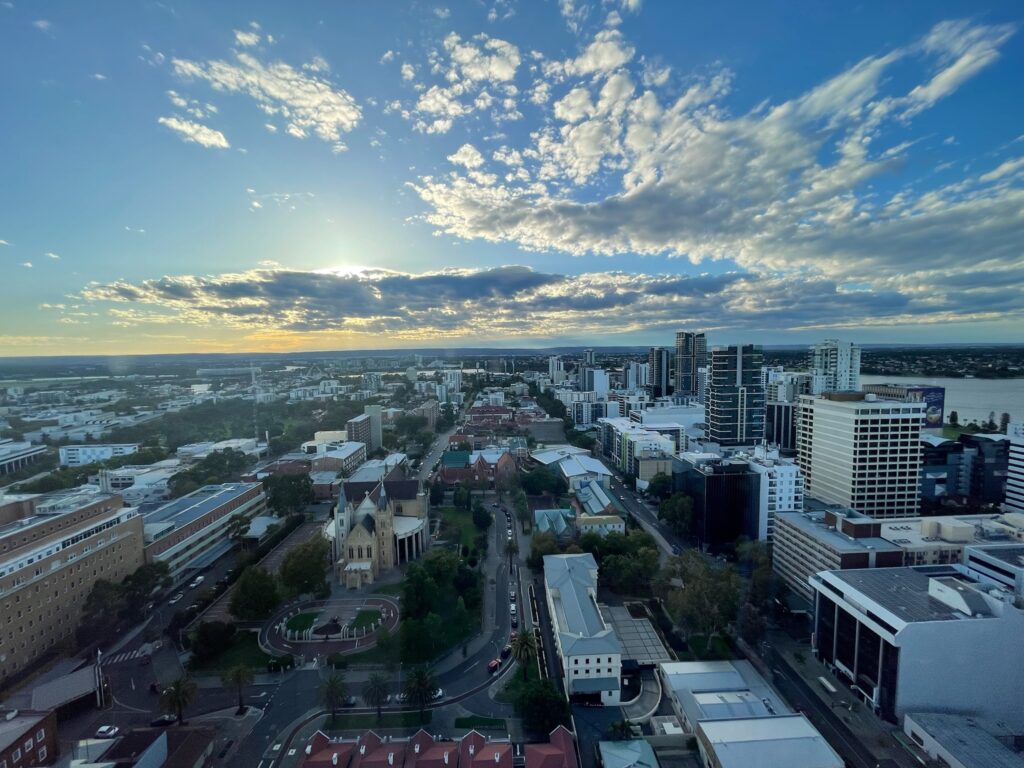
<point>338,625</point>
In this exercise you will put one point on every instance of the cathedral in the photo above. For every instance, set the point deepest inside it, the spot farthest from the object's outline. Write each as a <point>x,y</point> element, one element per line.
<point>378,525</point>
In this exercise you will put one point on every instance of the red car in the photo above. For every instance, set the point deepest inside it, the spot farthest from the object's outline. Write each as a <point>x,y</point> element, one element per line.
<point>494,666</point>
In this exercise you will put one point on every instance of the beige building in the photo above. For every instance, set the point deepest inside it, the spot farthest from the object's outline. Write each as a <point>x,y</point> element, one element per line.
<point>53,548</point>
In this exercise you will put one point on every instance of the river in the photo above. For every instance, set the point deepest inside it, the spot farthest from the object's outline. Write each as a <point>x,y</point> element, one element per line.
<point>972,399</point>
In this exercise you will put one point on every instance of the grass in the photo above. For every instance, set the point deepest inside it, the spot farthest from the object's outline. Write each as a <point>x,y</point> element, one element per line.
<point>388,589</point>
<point>342,722</point>
<point>516,685</point>
<point>457,525</point>
<point>301,622</point>
<point>699,650</point>
<point>951,433</point>
<point>244,650</point>
<point>480,722</point>
<point>365,619</point>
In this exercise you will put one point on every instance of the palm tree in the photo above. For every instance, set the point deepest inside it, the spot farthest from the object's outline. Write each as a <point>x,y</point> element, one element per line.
<point>375,691</point>
<point>524,650</point>
<point>332,693</point>
<point>511,549</point>
<point>179,695</point>
<point>419,688</point>
<point>238,677</point>
<point>620,730</point>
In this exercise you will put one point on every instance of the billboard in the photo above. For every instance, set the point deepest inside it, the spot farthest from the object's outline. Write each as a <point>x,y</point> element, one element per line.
<point>935,399</point>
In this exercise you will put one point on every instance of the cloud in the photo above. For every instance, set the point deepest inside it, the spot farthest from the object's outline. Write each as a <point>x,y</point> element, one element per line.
<point>442,13</point>
<point>135,230</point>
<point>51,255</point>
<point>389,55</point>
<point>27,264</point>
<point>196,132</point>
<point>98,76</point>
<point>4,242</point>
<point>467,156</point>
<point>42,25</point>
<point>408,71</point>
<point>792,188</point>
<point>246,39</point>
<point>309,103</point>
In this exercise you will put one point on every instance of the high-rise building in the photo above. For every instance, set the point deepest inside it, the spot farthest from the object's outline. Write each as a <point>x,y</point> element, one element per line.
<point>702,385</point>
<point>839,363</point>
<point>588,357</point>
<point>595,380</point>
<point>771,374</point>
<point>1015,470</point>
<point>659,362</point>
<point>861,452</point>
<point>453,379</point>
<point>637,375</point>
<point>556,369</point>
<point>780,425</point>
<point>735,395</point>
<point>371,382</point>
<point>53,548</point>
<point>376,427</point>
<point>691,355</point>
<point>360,430</point>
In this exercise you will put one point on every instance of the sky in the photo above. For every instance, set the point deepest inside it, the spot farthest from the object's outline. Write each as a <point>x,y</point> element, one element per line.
<point>236,177</point>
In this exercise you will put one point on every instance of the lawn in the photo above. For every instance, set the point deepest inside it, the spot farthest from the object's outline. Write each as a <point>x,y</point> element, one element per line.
<point>301,622</point>
<point>343,722</point>
<point>457,525</point>
<point>244,650</point>
<point>388,589</point>
<point>365,619</point>
<point>481,722</point>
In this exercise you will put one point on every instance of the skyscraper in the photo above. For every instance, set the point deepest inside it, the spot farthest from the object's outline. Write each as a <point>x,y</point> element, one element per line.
<point>691,355</point>
<point>735,395</point>
<point>838,362</point>
<point>588,357</point>
<point>636,375</point>
<point>659,372</point>
<point>556,370</point>
<point>595,380</point>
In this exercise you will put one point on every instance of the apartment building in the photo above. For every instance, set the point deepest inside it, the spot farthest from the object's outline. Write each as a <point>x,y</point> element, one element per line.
<point>1015,469</point>
<point>53,548</point>
<point>192,532</point>
<point>735,411</point>
<point>781,488</point>
<point>28,738</point>
<point>861,452</point>
<point>691,355</point>
<point>837,364</point>
<point>79,455</point>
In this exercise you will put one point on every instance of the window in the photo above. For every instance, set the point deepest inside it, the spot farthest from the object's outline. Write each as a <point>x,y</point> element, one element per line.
<point>41,753</point>
<point>16,755</point>
<point>29,744</point>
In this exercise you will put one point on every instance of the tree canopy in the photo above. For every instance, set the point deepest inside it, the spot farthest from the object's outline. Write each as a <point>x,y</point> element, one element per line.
<point>304,569</point>
<point>255,595</point>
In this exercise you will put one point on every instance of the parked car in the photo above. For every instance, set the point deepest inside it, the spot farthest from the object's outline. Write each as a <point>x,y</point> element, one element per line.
<point>107,732</point>
<point>176,599</point>
<point>196,582</point>
<point>513,609</point>
<point>351,701</point>
<point>512,595</point>
<point>515,621</point>
<point>506,651</point>
<point>163,721</point>
<point>494,665</point>
<point>437,695</point>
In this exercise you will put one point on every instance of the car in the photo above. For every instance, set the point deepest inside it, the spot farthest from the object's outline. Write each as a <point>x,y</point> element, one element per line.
<point>194,607</point>
<point>506,651</point>
<point>513,609</point>
<point>176,599</point>
<point>437,695</point>
<point>107,732</point>
<point>512,595</point>
<point>196,582</point>
<point>403,698</point>
<point>351,701</point>
<point>515,621</point>
<point>494,665</point>
<point>163,721</point>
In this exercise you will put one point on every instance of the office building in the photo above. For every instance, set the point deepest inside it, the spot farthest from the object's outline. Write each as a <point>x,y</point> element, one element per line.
<point>15,455</point>
<point>726,498</point>
<point>771,375</point>
<point>190,533</point>
<point>659,372</point>
<point>556,370</point>
<point>691,356</point>
<point>595,380</point>
<point>933,397</point>
<point>376,440</point>
<point>789,741</point>
<point>79,455</point>
<point>702,385</point>
<point>371,382</point>
<point>589,650</point>
<point>588,357</point>
<point>989,460</point>
<point>962,740</point>
<point>340,458</point>
<point>781,488</point>
<point>788,387</point>
<point>861,452</point>
<point>53,548</point>
<point>928,638</point>
<point>838,363</point>
<point>1015,469</point>
<point>637,375</point>
<point>452,379</point>
<point>735,408</point>
<point>139,484</point>
<point>780,425</point>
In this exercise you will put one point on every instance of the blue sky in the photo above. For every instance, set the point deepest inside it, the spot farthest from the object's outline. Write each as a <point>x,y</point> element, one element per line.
<point>188,176</point>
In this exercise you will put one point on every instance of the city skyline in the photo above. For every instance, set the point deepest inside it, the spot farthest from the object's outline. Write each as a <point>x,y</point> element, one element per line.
<point>508,174</point>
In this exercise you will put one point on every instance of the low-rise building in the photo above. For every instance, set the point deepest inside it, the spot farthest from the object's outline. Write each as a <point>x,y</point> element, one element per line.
<point>789,741</point>
<point>963,741</point>
<point>139,484</point>
<point>560,522</point>
<point>90,453</point>
<point>28,738</point>
<point>589,650</point>
<point>343,458</point>
<point>15,455</point>
<point>190,533</point>
<point>487,467</point>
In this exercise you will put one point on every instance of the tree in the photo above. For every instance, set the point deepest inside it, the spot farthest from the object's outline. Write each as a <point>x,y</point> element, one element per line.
<point>385,643</point>
<point>542,707</point>
<point>660,486</point>
<point>304,568</point>
<point>290,493</point>
<point>332,693</point>
<point>419,688</point>
<point>620,730</point>
<point>524,651</point>
<point>991,423</point>
<point>1004,423</point>
<point>375,691</point>
<point>436,493</point>
<point>481,517</point>
<point>211,639</point>
<point>709,598</point>
<point>511,549</point>
<point>954,419</point>
<point>677,512</point>
<point>238,677</point>
<point>543,543</point>
<point>255,595</point>
<point>462,497</point>
<point>178,696</point>
<point>750,623</point>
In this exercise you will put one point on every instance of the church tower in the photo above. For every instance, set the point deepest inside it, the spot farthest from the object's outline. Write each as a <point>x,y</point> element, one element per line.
<point>385,532</point>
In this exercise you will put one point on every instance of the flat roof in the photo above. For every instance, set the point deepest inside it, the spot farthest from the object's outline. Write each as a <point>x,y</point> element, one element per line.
<point>813,524</point>
<point>967,741</point>
<point>788,741</point>
<point>198,503</point>
<point>640,641</point>
<point>1010,554</point>
<point>635,753</point>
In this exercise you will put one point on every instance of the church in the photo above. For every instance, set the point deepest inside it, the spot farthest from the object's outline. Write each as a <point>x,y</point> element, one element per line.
<point>377,525</point>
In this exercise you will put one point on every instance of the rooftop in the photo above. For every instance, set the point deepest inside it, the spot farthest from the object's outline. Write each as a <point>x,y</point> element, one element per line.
<point>201,502</point>
<point>569,579</point>
<point>967,741</point>
<point>769,742</point>
<point>636,753</point>
<point>14,723</point>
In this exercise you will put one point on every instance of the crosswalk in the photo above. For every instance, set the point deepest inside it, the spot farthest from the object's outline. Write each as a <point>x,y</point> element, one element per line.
<point>118,658</point>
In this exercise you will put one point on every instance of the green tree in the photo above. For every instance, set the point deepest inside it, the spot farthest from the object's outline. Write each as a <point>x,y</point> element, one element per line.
<point>289,494</point>
<point>542,707</point>
<point>481,517</point>
<point>709,598</point>
<point>210,639</point>
<point>1004,423</point>
<point>332,693</point>
<point>304,569</point>
<point>238,677</point>
<point>543,543</point>
<point>677,512</point>
<point>524,651</point>
<point>255,595</point>
<point>954,419</point>
<point>462,498</point>
<point>660,486</point>
<point>436,493</point>
<point>178,696</point>
<point>511,550</point>
<point>750,623</point>
<point>375,691</point>
<point>419,688</point>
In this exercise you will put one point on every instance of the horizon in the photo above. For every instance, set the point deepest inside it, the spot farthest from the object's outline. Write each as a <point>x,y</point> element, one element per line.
<point>203,180</point>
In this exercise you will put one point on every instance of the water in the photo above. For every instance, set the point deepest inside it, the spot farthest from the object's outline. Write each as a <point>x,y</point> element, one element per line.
<point>972,399</point>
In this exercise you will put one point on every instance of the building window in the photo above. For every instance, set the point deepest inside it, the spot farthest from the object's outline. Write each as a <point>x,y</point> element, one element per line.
<point>41,754</point>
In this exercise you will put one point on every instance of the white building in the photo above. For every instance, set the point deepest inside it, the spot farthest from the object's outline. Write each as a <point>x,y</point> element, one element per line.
<point>140,484</point>
<point>453,379</point>
<point>927,638</point>
<point>637,375</point>
<point>781,488</point>
<point>556,370</point>
<point>90,453</point>
<point>860,452</point>
<point>589,650</point>
<point>15,455</point>
<point>1015,470</point>
<point>838,362</point>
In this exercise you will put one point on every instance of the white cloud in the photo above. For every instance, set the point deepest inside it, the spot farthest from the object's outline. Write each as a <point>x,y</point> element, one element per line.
<point>389,55</point>
<point>98,76</point>
<point>52,255</point>
<point>196,132</point>
<point>246,39</point>
<point>317,64</point>
<point>442,13</point>
<point>4,242</point>
<point>574,13</point>
<point>43,26</point>
<point>307,102</point>
<point>270,127</point>
<point>408,71</point>
<point>468,156</point>
<point>607,52</point>
<point>27,264</point>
